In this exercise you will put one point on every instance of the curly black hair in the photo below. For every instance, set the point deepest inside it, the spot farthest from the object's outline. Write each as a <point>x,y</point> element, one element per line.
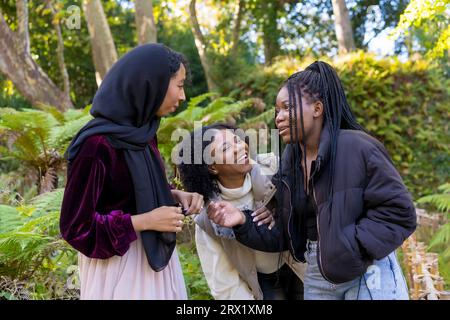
<point>196,177</point>
<point>175,61</point>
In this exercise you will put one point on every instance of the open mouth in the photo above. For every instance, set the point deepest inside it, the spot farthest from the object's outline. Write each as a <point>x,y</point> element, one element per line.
<point>243,158</point>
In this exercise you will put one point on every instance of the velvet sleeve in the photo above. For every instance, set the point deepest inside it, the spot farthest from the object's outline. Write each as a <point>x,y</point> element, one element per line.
<point>94,234</point>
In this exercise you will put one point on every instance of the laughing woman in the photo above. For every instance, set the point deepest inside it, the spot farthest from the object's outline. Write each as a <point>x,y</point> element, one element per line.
<point>345,207</point>
<point>232,270</point>
<point>118,210</point>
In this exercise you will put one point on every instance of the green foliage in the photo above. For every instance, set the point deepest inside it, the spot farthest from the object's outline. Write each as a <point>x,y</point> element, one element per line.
<point>8,218</point>
<point>440,241</point>
<point>441,201</point>
<point>196,285</point>
<point>32,250</point>
<point>38,140</point>
<point>9,97</point>
<point>430,21</point>
<point>179,37</point>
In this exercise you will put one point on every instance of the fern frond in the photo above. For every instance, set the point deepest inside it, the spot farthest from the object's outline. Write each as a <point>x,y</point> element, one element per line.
<point>265,117</point>
<point>58,115</point>
<point>48,202</point>
<point>198,100</point>
<point>74,114</point>
<point>61,136</point>
<point>10,218</point>
<point>441,201</point>
<point>442,236</point>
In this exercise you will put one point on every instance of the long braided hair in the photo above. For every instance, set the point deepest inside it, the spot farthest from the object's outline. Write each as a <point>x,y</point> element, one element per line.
<point>318,82</point>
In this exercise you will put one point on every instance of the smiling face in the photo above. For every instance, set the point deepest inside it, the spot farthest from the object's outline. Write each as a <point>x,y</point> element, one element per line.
<point>175,93</point>
<point>230,154</point>
<point>312,116</point>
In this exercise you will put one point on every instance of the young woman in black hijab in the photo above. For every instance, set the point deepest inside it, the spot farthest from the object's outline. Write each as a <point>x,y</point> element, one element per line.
<point>118,210</point>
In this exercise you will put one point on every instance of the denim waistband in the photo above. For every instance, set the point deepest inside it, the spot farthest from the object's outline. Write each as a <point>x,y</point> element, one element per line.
<point>311,245</point>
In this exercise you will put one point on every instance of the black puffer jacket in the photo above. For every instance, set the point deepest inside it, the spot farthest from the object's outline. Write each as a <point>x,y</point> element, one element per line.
<point>372,212</point>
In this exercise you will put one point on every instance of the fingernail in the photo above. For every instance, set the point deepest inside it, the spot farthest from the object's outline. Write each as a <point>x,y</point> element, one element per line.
<point>254,219</point>
<point>253,214</point>
<point>259,223</point>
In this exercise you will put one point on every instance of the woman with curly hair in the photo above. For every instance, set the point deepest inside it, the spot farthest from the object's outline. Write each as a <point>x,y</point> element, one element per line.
<point>230,179</point>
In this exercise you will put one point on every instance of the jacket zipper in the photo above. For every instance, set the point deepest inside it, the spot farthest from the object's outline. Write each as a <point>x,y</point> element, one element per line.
<point>319,256</point>
<point>289,219</point>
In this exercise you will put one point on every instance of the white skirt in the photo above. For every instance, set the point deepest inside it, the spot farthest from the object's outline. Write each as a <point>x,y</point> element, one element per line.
<point>130,277</point>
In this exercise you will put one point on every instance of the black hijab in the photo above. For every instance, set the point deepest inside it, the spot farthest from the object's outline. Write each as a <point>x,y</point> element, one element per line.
<point>124,110</point>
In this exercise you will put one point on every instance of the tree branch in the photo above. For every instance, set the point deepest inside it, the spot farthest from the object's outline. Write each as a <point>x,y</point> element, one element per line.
<point>196,26</point>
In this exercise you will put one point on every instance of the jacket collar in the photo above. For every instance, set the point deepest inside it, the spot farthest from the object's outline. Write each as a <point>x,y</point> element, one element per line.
<point>323,153</point>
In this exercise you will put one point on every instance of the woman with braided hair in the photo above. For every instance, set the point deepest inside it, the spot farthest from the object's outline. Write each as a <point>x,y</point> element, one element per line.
<point>342,205</point>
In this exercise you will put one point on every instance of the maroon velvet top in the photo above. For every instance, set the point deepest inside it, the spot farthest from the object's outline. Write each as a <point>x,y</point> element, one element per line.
<point>99,200</point>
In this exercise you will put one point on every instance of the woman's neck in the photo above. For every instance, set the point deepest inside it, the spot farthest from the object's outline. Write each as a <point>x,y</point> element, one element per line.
<point>232,181</point>
<point>312,144</point>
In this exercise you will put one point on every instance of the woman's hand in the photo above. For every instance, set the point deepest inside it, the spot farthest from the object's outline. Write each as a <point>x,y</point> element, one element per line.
<point>191,201</point>
<point>164,219</point>
<point>224,214</point>
<point>264,215</point>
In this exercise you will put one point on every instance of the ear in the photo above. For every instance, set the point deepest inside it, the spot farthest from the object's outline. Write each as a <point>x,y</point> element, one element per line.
<point>212,169</point>
<point>318,109</point>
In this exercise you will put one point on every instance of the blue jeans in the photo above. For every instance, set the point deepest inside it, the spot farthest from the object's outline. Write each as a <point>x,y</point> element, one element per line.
<point>383,280</point>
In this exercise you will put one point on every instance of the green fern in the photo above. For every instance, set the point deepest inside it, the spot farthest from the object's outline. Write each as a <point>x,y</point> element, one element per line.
<point>442,237</point>
<point>264,118</point>
<point>442,202</point>
<point>61,136</point>
<point>31,242</point>
<point>38,139</point>
<point>9,218</point>
<point>48,202</point>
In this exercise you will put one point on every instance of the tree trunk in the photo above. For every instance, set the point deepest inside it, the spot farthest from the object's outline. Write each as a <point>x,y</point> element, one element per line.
<point>29,79</point>
<point>201,45</point>
<point>23,41</point>
<point>270,30</point>
<point>343,27</point>
<point>237,26</point>
<point>145,22</point>
<point>103,49</point>
<point>60,51</point>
